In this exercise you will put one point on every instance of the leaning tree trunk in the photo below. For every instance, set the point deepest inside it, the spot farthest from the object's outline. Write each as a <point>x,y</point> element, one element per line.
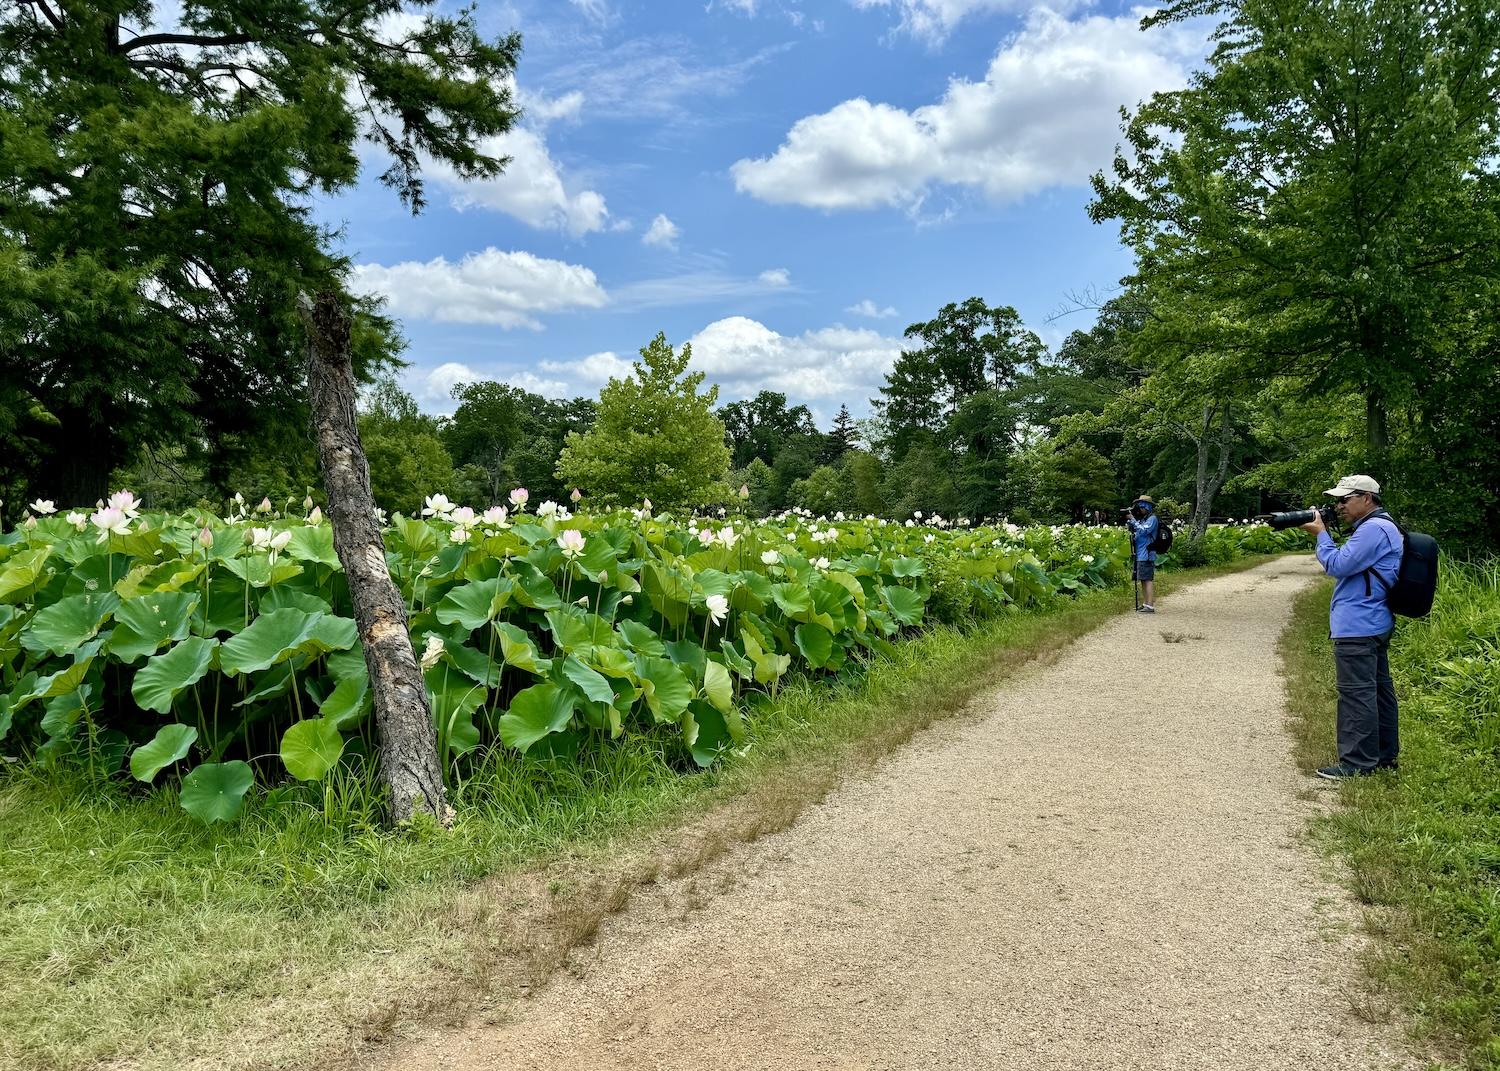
<point>1208,484</point>
<point>409,763</point>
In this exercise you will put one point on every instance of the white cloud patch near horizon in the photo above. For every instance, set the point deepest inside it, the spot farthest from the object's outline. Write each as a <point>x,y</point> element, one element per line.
<point>662,233</point>
<point>868,308</point>
<point>1045,114</point>
<point>489,287</point>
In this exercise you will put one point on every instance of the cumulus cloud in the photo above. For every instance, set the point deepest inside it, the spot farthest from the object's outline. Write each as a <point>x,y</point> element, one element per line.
<point>662,232</point>
<point>830,365</point>
<point>777,277</point>
<point>588,374</point>
<point>433,387</point>
<point>531,188</point>
<point>489,287</point>
<point>869,309</point>
<point>1045,114</point>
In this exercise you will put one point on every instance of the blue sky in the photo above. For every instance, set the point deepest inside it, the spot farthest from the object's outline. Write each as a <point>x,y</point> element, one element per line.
<point>785,183</point>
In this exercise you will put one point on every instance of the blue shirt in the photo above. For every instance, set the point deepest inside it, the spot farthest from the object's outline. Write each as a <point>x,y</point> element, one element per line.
<point>1359,607</point>
<point>1142,534</point>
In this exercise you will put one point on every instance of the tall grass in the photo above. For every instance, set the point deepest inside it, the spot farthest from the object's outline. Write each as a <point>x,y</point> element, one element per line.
<point>1424,844</point>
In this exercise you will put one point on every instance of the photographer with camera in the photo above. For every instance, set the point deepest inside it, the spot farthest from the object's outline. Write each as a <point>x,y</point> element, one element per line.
<point>1144,526</point>
<point>1360,623</point>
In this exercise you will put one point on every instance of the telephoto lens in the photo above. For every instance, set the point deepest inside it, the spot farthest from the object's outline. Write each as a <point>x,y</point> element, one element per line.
<point>1298,517</point>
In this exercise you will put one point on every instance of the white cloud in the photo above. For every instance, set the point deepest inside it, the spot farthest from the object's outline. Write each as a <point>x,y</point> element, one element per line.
<point>692,288</point>
<point>490,287</point>
<point>433,388</point>
<point>1046,114</point>
<point>531,188</point>
<point>871,310</point>
<point>933,20</point>
<point>662,232</point>
<point>597,10</point>
<point>588,374</point>
<point>830,365</point>
<point>438,384</point>
<point>777,277</point>
<point>542,110</point>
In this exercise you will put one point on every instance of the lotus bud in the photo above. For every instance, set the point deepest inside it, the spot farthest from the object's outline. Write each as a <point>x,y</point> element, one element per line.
<point>646,504</point>
<point>307,502</point>
<point>265,505</point>
<point>280,540</point>
<point>316,516</point>
<point>744,490</point>
<point>249,537</point>
<point>576,496</point>
<point>603,577</point>
<point>29,523</point>
<point>206,537</point>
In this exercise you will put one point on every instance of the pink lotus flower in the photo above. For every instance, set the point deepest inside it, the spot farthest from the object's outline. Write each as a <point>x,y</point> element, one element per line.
<point>463,516</point>
<point>519,497</point>
<point>571,542</point>
<point>495,516</point>
<point>110,521</point>
<point>126,503</point>
<point>206,537</point>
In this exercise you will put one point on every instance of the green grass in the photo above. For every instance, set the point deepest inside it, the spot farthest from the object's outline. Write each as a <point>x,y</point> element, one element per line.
<point>133,934</point>
<point>1423,845</point>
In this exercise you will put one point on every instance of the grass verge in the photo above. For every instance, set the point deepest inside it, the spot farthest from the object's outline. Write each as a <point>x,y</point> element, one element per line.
<point>134,937</point>
<point>1423,845</point>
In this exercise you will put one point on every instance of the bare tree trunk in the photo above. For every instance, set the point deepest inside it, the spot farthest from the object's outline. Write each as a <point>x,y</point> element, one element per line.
<point>409,764</point>
<point>1207,485</point>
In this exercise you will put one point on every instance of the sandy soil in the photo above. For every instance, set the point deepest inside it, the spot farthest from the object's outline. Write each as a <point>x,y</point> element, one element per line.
<point>1103,867</point>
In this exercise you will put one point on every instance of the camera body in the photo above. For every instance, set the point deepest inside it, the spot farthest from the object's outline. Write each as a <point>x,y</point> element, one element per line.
<point>1298,517</point>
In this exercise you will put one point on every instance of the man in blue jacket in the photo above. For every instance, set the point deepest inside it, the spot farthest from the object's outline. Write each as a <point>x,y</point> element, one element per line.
<point>1360,623</point>
<point>1144,524</point>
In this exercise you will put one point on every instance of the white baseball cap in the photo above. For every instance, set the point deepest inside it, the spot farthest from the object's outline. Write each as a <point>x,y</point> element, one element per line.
<point>1353,485</point>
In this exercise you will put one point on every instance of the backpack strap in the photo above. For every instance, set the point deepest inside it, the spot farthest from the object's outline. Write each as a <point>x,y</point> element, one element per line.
<point>1381,514</point>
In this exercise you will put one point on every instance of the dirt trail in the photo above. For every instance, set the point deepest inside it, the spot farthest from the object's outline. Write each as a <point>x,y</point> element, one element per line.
<point>1101,869</point>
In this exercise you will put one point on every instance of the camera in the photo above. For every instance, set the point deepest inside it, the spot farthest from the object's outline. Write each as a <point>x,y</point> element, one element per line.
<point>1297,517</point>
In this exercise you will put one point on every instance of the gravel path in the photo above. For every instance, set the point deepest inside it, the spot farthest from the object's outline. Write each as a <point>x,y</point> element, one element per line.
<point>1101,868</point>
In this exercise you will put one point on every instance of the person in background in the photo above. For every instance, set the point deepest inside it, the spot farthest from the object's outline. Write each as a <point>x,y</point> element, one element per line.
<point>1144,524</point>
<point>1360,623</point>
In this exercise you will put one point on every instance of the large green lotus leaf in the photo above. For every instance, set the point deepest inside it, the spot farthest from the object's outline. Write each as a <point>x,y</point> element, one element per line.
<point>348,665</point>
<point>225,608</point>
<point>530,533</point>
<point>348,704</point>
<point>170,744</point>
<point>63,681</point>
<point>668,592</point>
<point>284,597</point>
<point>688,655</point>
<point>271,638</point>
<point>736,661</point>
<point>612,662</point>
<point>642,638</point>
<point>518,650</point>
<point>474,605</point>
<point>330,633</point>
<point>165,676</point>
<point>569,630</point>
<point>453,700</point>
<point>718,686</point>
<point>473,664</point>
<point>7,714</point>
<point>413,539</point>
<point>713,582</point>
<point>23,573</point>
<point>793,598</point>
<point>534,713</point>
<point>153,577</point>
<point>146,624</point>
<point>816,644</point>
<point>268,685</point>
<point>905,604</point>
<point>598,557</point>
<point>311,748</point>
<point>313,543</point>
<point>537,591</point>
<point>64,712</point>
<point>832,605</point>
<point>768,665</point>
<point>68,623</point>
<point>215,791</point>
<point>667,689</point>
<point>709,736</point>
<point>589,682</point>
<point>256,569</point>
<point>908,567</point>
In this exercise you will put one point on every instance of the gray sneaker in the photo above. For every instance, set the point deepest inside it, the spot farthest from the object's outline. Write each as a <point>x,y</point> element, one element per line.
<point>1148,609</point>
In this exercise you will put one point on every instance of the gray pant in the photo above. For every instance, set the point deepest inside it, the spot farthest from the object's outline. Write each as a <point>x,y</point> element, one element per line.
<point>1367,701</point>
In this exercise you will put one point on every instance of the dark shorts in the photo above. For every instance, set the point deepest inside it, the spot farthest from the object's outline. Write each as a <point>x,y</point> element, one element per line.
<point>1145,570</point>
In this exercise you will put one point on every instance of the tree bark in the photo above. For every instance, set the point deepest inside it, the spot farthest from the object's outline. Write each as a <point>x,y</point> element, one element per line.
<point>1377,432</point>
<point>1207,485</point>
<point>409,764</point>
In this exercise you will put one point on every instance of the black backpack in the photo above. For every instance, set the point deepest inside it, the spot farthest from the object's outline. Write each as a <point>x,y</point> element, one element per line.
<point>1417,576</point>
<point>1163,541</point>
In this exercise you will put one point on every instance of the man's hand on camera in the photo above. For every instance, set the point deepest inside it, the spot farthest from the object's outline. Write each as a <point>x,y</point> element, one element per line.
<point>1315,525</point>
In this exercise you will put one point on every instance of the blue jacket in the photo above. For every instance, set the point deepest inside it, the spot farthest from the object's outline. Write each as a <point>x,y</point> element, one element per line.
<point>1359,607</point>
<point>1142,534</point>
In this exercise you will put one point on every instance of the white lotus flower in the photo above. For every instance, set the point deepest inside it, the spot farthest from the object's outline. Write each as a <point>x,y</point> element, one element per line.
<point>821,563</point>
<point>706,537</point>
<point>519,497</point>
<point>727,537</point>
<point>432,652</point>
<point>279,541</point>
<point>463,516</point>
<point>770,557</point>
<point>495,516</point>
<point>1088,559</point>
<point>437,506</point>
<point>718,608</point>
<point>744,490</point>
<point>260,538</point>
<point>78,520</point>
<point>110,521</point>
<point>459,534</point>
<point>43,507</point>
<point>571,542</point>
<point>646,504</point>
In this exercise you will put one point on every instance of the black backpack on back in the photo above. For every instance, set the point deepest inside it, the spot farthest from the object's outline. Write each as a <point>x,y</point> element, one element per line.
<point>1417,576</point>
<point>1163,541</point>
